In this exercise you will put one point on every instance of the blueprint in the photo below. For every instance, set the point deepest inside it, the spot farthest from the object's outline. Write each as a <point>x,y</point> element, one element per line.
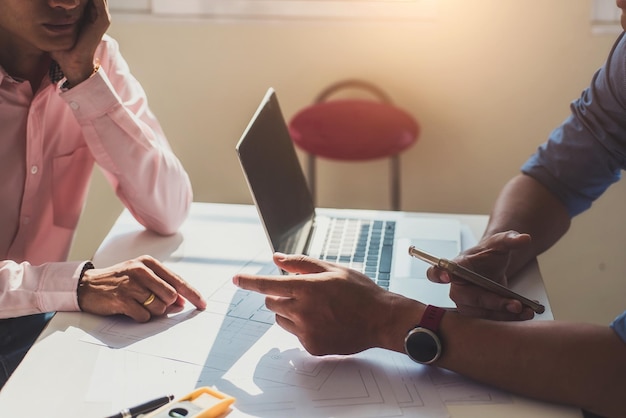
<point>235,347</point>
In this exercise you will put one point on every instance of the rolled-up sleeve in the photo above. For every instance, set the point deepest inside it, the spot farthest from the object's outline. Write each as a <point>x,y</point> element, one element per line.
<point>619,326</point>
<point>586,154</point>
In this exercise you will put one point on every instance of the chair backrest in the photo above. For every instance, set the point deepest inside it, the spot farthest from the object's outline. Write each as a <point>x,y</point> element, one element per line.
<point>353,129</point>
<point>352,84</point>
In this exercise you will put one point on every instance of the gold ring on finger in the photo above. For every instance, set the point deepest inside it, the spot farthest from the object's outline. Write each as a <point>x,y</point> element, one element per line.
<point>149,300</point>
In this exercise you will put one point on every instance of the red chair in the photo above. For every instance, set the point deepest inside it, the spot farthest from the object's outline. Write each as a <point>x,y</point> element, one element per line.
<point>353,130</point>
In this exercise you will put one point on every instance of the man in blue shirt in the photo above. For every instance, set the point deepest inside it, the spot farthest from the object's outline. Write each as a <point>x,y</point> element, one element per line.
<point>333,310</point>
<point>580,160</point>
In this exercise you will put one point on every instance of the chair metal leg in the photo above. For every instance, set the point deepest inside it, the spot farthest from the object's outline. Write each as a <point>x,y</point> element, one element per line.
<point>311,176</point>
<point>394,176</point>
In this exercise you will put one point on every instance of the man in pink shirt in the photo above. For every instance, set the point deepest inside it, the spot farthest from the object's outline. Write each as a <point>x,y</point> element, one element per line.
<point>67,102</point>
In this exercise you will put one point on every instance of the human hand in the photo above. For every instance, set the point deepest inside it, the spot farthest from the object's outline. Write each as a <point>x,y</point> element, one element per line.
<point>490,257</point>
<point>331,309</point>
<point>127,288</point>
<point>77,63</point>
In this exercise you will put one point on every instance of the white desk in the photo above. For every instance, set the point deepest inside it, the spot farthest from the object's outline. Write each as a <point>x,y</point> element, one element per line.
<point>86,366</point>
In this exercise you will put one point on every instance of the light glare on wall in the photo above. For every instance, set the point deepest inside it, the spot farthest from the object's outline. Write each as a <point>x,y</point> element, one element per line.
<point>308,9</point>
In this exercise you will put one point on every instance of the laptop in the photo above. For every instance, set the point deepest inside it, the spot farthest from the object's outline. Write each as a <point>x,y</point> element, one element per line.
<point>373,242</point>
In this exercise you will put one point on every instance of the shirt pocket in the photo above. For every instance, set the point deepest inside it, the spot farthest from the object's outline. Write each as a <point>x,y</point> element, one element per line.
<point>71,174</point>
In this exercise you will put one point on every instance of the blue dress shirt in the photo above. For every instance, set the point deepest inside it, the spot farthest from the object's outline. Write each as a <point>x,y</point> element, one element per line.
<point>586,154</point>
<point>619,326</point>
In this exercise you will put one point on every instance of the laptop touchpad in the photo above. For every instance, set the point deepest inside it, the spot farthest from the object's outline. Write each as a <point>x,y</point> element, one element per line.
<point>411,267</point>
<point>409,278</point>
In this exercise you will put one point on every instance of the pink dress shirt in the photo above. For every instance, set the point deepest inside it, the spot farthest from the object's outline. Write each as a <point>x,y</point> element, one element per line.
<point>49,142</point>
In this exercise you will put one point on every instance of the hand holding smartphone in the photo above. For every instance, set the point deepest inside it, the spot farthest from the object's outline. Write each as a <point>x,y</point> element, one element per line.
<point>475,278</point>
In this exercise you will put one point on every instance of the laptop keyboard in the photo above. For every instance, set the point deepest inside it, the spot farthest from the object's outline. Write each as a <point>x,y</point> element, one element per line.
<point>362,244</point>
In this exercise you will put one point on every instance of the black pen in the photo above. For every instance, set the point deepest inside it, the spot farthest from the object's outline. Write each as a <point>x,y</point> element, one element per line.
<point>144,408</point>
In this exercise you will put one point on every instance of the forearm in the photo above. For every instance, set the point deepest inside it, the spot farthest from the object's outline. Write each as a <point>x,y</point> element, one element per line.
<point>571,363</point>
<point>525,206</point>
<point>128,143</point>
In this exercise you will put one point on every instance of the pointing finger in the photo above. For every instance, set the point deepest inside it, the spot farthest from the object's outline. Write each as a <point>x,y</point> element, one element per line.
<point>301,264</point>
<point>267,285</point>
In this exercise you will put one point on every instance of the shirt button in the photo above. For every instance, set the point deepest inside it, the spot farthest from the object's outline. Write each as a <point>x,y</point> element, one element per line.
<point>26,220</point>
<point>34,169</point>
<point>74,105</point>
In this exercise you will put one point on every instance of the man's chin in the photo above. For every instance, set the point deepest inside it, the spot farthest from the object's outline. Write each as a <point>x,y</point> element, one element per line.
<point>58,42</point>
<point>59,46</point>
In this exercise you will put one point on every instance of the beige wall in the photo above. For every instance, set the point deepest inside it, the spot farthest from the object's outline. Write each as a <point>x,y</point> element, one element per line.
<point>487,81</point>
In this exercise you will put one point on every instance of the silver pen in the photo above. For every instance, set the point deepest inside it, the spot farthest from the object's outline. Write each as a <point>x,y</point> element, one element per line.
<point>475,278</point>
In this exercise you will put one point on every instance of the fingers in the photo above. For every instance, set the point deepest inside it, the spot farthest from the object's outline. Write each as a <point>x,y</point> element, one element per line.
<point>511,240</point>
<point>491,257</point>
<point>268,285</point>
<point>154,304</point>
<point>283,286</point>
<point>77,62</point>
<point>525,314</point>
<point>281,306</point>
<point>179,287</point>
<point>476,302</point>
<point>300,264</point>
<point>437,275</point>
<point>287,324</point>
<point>141,303</point>
<point>98,12</point>
<point>143,308</point>
<point>139,288</point>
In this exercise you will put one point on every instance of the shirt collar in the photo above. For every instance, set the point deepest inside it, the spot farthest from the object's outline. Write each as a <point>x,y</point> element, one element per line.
<point>55,73</point>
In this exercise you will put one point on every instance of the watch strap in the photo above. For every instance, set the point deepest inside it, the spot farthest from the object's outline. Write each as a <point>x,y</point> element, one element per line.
<point>431,318</point>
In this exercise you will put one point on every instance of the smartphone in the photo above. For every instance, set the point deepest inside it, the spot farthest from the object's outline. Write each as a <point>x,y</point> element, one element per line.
<point>475,278</point>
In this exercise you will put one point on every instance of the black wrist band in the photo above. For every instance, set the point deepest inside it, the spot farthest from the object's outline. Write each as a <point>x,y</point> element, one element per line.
<point>88,266</point>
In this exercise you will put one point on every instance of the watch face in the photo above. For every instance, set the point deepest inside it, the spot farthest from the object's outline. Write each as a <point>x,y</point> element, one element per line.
<point>422,345</point>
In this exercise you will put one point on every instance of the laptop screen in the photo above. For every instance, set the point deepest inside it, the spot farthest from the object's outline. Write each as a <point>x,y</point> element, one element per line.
<point>276,180</point>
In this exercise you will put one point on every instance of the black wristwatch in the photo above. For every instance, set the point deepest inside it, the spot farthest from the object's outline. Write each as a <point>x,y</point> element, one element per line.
<point>422,344</point>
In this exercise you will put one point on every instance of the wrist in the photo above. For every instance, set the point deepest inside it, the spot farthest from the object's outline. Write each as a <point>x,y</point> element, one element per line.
<point>404,313</point>
<point>422,342</point>
<point>74,79</point>
<point>87,266</point>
